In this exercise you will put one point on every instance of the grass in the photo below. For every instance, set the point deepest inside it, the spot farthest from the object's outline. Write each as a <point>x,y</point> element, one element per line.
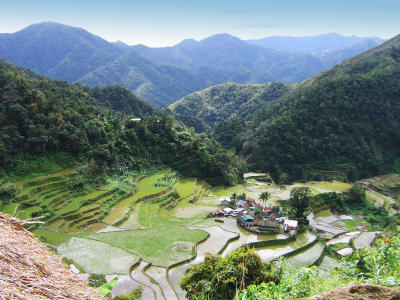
<point>378,199</point>
<point>97,257</point>
<point>339,246</point>
<point>229,190</point>
<point>160,246</point>
<point>353,224</point>
<point>145,187</point>
<point>9,208</point>
<point>334,185</point>
<point>51,237</point>
<point>77,202</point>
<point>26,213</point>
<point>185,187</point>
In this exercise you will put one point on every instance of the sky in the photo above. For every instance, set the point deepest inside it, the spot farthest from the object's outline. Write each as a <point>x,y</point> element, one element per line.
<point>167,22</point>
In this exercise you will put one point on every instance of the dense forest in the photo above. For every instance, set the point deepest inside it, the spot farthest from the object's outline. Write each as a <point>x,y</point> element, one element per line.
<point>343,123</point>
<point>225,101</point>
<point>42,117</point>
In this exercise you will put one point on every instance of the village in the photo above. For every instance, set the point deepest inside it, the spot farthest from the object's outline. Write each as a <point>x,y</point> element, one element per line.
<point>253,216</point>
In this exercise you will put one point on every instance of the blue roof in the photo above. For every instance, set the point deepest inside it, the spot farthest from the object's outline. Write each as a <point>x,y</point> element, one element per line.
<point>247,218</point>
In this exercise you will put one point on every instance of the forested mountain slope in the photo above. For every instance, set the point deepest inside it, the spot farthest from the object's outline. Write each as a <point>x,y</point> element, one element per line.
<point>159,85</point>
<point>40,117</point>
<point>221,102</point>
<point>343,122</point>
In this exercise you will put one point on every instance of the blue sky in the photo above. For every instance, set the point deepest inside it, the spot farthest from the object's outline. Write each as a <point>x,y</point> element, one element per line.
<point>167,22</point>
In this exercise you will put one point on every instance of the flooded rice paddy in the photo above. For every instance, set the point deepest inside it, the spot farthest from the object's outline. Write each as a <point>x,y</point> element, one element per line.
<point>153,234</point>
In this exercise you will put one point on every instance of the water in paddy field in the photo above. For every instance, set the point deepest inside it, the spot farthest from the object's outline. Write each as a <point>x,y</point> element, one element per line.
<point>245,236</point>
<point>323,213</point>
<point>308,257</point>
<point>270,253</point>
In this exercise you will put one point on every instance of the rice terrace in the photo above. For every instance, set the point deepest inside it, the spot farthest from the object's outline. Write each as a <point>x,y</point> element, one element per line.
<point>148,228</point>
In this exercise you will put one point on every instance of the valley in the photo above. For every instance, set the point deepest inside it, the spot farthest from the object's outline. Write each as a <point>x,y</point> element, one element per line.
<point>150,232</point>
<point>216,168</point>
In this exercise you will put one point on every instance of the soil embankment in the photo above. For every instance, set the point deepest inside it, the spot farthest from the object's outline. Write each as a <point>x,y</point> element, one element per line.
<point>359,292</point>
<point>29,271</point>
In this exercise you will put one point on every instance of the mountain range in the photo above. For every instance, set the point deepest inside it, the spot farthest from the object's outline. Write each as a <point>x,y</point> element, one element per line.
<point>311,44</point>
<point>163,75</point>
<point>340,124</point>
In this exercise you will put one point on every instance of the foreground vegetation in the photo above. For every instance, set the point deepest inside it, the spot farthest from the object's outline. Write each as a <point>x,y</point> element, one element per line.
<point>239,274</point>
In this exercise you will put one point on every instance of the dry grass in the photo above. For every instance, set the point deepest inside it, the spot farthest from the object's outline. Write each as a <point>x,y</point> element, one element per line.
<point>29,271</point>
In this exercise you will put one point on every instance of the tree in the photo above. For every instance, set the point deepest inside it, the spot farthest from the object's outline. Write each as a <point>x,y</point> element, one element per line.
<point>264,196</point>
<point>234,197</point>
<point>299,201</point>
<point>219,277</point>
<point>242,196</point>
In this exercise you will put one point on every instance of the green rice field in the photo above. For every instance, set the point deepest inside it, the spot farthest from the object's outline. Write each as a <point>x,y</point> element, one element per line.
<point>134,229</point>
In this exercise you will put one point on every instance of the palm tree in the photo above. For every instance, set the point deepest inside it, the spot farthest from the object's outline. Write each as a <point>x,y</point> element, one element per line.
<point>233,197</point>
<point>264,196</point>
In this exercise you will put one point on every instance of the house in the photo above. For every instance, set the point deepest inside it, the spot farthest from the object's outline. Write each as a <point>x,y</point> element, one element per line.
<point>228,211</point>
<point>268,225</point>
<point>252,200</point>
<point>282,220</point>
<point>219,213</point>
<point>291,223</point>
<point>239,210</point>
<point>240,203</point>
<point>224,201</point>
<point>273,217</point>
<point>245,220</point>
<point>267,209</point>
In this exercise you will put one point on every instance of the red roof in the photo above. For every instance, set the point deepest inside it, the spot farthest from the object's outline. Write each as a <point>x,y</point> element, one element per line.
<point>267,208</point>
<point>251,199</point>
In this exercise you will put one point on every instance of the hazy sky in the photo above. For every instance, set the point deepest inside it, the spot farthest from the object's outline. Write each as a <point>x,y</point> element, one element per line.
<point>167,22</point>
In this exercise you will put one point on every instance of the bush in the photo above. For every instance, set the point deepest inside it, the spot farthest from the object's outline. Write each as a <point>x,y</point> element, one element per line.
<point>7,192</point>
<point>135,294</point>
<point>96,280</point>
<point>218,278</point>
<point>372,265</point>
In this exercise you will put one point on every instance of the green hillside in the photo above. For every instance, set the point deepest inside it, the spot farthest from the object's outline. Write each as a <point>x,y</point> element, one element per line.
<point>343,122</point>
<point>43,118</point>
<point>221,102</point>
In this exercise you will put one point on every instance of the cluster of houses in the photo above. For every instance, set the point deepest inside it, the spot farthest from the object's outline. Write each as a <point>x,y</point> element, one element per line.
<point>255,217</point>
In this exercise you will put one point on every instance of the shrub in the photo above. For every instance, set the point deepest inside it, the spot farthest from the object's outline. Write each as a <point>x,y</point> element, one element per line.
<point>218,278</point>
<point>7,191</point>
<point>135,294</point>
<point>96,280</point>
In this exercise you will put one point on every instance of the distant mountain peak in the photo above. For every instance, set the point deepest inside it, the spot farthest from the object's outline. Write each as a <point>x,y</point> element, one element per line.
<point>187,43</point>
<point>221,37</point>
